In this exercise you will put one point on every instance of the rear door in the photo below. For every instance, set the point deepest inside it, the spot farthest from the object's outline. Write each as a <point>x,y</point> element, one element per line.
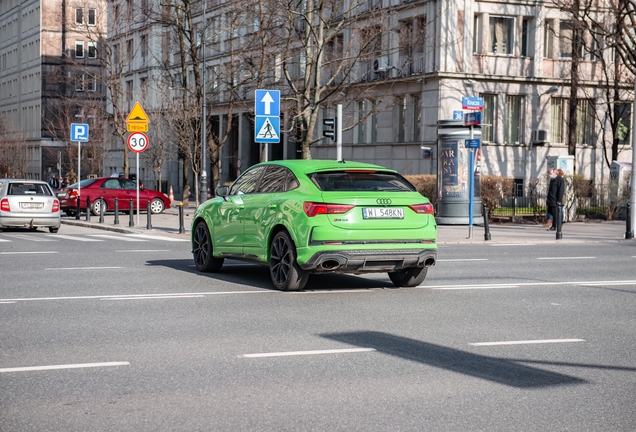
<point>109,190</point>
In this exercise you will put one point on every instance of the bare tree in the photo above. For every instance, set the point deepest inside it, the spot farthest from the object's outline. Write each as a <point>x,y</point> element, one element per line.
<point>13,150</point>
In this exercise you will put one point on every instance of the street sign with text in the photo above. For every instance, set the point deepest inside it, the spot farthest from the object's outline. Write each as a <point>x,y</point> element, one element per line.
<point>472,103</point>
<point>472,118</point>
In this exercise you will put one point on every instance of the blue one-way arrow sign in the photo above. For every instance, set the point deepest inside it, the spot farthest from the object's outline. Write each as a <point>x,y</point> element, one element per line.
<point>267,111</point>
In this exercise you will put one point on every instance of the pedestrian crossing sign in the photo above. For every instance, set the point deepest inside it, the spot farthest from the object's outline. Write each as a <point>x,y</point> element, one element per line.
<point>267,129</point>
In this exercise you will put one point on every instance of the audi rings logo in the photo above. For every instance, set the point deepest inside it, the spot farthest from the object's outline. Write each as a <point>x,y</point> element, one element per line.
<point>383,201</point>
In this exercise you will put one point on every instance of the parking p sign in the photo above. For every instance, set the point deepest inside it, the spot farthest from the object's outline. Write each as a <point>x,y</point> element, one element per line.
<point>79,132</point>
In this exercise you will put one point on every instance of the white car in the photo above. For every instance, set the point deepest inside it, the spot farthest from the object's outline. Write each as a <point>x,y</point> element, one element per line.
<point>28,203</point>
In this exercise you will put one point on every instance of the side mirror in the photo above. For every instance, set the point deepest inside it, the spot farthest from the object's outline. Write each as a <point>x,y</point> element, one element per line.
<point>222,191</point>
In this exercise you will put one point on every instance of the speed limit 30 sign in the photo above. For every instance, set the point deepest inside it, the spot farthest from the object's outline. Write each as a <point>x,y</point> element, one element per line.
<point>137,142</point>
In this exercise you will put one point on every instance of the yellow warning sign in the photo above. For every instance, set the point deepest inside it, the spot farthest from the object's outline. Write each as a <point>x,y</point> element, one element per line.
<point>137,115</point>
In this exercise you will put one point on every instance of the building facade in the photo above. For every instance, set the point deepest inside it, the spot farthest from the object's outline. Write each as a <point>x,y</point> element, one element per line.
<point>49,76</point>
<point>422,58</point>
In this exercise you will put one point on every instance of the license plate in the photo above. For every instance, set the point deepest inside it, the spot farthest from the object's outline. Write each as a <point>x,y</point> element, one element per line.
<point>30,205</point>
<point>383,213</point>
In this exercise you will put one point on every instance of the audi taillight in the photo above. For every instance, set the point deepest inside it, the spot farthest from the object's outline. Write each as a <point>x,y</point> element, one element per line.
<point>423,208</point>
<point>312,209</point>
<point>56,206</point>
<point>4,205</point>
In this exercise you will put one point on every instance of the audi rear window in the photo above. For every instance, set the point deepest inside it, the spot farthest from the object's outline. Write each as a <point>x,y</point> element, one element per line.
<point>360,181</point>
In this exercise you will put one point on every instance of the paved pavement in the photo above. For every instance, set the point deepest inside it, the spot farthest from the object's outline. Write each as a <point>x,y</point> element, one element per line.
<point>167,224</point>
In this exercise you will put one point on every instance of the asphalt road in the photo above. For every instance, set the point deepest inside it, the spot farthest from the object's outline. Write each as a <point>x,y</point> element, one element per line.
<point>111,332</point>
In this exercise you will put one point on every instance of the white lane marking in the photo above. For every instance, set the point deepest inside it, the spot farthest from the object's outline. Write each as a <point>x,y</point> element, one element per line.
<point>67,366</point>
<point>9,241</point>
<point>526,284</point>
<point>140,295</point>
<point>144,250</point>
<point>527,342</point>
<point>30,238</point>
<point>7,302</point>
<point>152,298</point>
<point>462,259</point>
<point>151,237</point>
<point>565,258</point>
<point>316,352</point>
<point>82,268</point>
<point>512,244</point>
<point>114,237</point>
<point>332,291</point>
<point>466,287</point>
<point>69,237</point>
<point>23,253</point>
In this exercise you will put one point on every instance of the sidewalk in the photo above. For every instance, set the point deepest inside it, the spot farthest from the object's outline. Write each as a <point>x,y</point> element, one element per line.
<point>167,224</point>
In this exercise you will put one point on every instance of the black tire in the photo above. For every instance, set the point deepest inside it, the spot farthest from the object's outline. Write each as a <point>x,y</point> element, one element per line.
<point>157,206</point>
<point>70,212</point>
<point>202,250</point>
<point>53,230</point>
<point>410,277</point>
<point>285,272</point>
<point>96,205</point>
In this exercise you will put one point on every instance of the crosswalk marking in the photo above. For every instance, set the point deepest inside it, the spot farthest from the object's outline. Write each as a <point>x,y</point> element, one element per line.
<point>76,238</point>
<point>150,237</point>
<point>113,237</point>
<point>4,240</point>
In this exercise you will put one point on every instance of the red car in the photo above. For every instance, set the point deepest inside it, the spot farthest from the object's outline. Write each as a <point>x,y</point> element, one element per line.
<point>105,190</point>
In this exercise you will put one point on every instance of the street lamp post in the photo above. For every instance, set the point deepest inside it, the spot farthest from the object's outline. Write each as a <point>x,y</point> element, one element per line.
<point>203,192</point>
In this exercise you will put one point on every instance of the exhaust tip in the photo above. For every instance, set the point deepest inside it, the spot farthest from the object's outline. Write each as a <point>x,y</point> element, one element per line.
<point>429,262</point>
<point>330,265</point>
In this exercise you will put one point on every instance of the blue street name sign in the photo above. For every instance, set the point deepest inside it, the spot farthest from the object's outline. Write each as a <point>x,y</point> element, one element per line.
<point>458,115</point>
<point>79,132</point>
<point>472,103</point>
<point>472,118</point>
<point>472,143</point>
<point>267,110</point>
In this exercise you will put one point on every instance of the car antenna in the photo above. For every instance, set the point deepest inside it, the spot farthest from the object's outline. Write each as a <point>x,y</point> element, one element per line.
<point>341,161</point>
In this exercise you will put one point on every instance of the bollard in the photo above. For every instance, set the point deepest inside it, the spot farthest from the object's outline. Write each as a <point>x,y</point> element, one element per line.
<point>101,209</point>
<point>77,209</point>
<point>88,209</point>
<point>116,222</point>
<point>181,229</point>
<point>131,221</point>
<point>148,217</point>
<point>629,234</point>
<point>558,218</point>
<point>486,226</point>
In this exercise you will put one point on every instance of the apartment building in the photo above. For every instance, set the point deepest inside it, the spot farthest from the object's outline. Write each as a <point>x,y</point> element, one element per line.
<point>49,76</point>
<point>420,58</point>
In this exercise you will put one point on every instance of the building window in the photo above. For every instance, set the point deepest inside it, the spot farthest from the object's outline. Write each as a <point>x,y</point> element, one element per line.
<point>417,117</point>
<point>79,49</point>
<point>525,35</point>
<point>565,39</point>
<point>513,128</point>
<point>129,52</point>
<point>92,50</point>
<point>584,121</point>
<point>548,38</point>
<point>401,124</point>
<point>79,16</point>
<point>488,117</point>
<point>92,19</point>
<point>129,92</point>
<point>143,86</point>
<point>360,125</point>
<point>501,35</point>
<point>374,121</point>
<point>144,46</point>
<point>79,82</point>
<point>558,120</point>
<point>91,82</point>
<point>624,114</point>
<point>477,34</point>
<point>518,188</point>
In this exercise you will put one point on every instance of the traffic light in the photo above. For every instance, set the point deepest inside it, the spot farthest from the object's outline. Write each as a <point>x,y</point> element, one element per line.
<point>330,123</point>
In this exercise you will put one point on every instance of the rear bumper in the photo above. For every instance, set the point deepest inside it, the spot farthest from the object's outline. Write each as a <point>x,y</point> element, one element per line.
<point>29,220</point>
<point>369,261</point>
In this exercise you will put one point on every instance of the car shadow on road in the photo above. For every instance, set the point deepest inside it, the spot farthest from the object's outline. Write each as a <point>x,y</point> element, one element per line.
<point>499,370</point>
<point>257,276</point>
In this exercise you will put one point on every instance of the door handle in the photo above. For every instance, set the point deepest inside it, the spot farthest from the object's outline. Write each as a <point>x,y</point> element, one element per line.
<point>273,206</point>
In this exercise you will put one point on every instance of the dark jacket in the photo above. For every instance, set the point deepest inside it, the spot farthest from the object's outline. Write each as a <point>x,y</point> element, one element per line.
<point>555,191</point>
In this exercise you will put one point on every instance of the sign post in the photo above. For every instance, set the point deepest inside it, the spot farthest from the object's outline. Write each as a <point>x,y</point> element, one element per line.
<point>472,119</point>
<point>79,133</point>
<point>137,142</point>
